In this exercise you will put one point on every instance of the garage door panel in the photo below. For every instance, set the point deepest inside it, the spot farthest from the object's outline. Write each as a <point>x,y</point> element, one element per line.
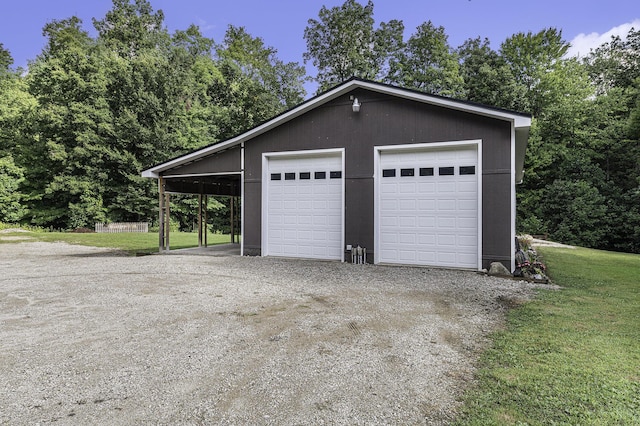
<point>290,220</point>
<point>389,188</point>
<point>407,188</point>
<point>428,240</point>
<point>389,255</point>
<point>388,237</point>
<point>467,258</point>
<point>466,241</point>
<point>468,187</point>
<point>446,187</point>
<point>319,220</point>
<point>426,188</point>
<point>405,205</point>
<point>446,222</point>
<point>304,235</point>
<point>446,240</point>
<point>429,218</point>
<point>427,222</point>
<point>467,223</point>
<point>407,256</point>
<point>426,205</point>
<point>304,208</point>
<point>447,258</point>
<point>467,205</point>
<point>426,257</point>
<point>408,221</point>
<point>407,238</point>
<point>389,221</point>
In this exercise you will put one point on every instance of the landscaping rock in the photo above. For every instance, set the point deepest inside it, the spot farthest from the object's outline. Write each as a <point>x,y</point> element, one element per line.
<point>499,269</point>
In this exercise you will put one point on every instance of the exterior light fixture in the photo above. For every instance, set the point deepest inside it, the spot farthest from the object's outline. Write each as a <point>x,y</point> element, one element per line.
<point>356,105</point>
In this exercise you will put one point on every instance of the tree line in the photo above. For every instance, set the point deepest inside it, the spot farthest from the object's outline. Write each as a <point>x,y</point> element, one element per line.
<point>90,113</point>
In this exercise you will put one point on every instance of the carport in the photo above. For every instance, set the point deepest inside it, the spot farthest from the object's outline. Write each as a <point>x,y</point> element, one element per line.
<point>217,174</point>
<point>225,185</point>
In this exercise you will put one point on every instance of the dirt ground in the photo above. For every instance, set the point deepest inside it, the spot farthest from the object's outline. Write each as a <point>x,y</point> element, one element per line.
<point>90,336</point>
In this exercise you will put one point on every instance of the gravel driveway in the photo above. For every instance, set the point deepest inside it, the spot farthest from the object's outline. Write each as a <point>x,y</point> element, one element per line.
<point>91,336</point>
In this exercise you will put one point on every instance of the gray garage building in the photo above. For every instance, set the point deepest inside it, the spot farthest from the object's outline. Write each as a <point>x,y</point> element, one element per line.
<point>414,178</point>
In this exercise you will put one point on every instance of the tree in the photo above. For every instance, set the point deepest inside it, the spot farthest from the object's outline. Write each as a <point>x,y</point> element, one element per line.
<point>16,110</point>
<point>66,154</point>
<point>343,43</point>
<point>428,63</point>
<point>487,77</point>
<point>11,176</point>
<point>129,29</point>
<point>614,134</point>
<point>575,212</point>
<point>6,60</point>
<point>281,83</point>
<point>616,63</point>
<point>530,56</point>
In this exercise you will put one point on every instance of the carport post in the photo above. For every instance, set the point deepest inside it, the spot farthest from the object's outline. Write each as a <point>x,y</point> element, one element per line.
<point>199,220</point>
<point>160,214</point>
<point>233,239</point>
<point>167,225</point>
<point>206,203</point>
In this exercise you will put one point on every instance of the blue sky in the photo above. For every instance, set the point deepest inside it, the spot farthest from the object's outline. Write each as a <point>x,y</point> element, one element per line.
<point>281,24</point>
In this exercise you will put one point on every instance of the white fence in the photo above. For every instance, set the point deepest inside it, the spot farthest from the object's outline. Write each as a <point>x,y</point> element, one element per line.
<point>116,227</point>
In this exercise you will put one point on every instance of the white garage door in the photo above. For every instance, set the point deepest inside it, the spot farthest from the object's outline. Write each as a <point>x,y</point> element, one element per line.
<point>428,207</point>
<point>303,202</point>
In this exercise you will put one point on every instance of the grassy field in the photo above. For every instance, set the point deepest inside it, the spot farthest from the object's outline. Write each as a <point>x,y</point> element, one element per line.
<point>134,243</point>
<point>570,357</point>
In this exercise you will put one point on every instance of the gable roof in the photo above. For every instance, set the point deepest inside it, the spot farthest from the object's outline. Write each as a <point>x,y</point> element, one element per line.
<point>521,121</point>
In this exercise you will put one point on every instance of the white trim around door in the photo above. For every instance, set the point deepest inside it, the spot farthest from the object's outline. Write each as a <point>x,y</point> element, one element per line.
<point>471,150</point>
<point>303,204</point>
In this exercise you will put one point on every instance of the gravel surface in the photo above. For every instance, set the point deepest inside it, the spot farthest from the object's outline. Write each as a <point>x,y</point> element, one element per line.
<point>90,336</point>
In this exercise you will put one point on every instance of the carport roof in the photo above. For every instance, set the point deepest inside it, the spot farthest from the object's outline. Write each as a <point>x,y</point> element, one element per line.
<point>521,122</point>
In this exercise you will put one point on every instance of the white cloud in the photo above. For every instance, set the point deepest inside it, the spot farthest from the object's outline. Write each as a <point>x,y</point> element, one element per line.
<point>582,44</point>
<point>204,26</point>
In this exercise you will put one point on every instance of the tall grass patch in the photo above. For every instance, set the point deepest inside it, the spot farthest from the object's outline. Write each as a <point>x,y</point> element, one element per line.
<point>571,356</point>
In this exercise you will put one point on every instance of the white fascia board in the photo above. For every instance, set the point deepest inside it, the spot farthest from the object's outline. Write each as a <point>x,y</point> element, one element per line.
<point>518,120</point>
<point>201,175</point>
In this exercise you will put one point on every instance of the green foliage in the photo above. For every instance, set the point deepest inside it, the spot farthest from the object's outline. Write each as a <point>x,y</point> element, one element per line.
<point>11,176</point>
<point>531,56</point>
<point>487,77</point>
<point>571,356</point>
<point>616,63</point>
<point>6,60</point>
<point>575,212</point>
<point>343,43</point>
<point>92,113</point>
<point>429,64</point>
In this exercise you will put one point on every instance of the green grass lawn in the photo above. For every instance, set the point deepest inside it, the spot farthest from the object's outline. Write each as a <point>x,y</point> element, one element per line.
<point>571,356</point>
<point>134,243</point>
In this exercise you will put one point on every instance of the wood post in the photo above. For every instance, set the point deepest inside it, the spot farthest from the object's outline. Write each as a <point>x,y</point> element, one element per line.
<point>160,213</point>
<point>199,220</point>
<point>167,224</point>
<point>204,224</point>
<point>233,236</point>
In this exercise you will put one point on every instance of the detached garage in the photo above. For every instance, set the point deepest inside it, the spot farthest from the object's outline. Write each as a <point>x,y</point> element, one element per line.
<point>414,178</point>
